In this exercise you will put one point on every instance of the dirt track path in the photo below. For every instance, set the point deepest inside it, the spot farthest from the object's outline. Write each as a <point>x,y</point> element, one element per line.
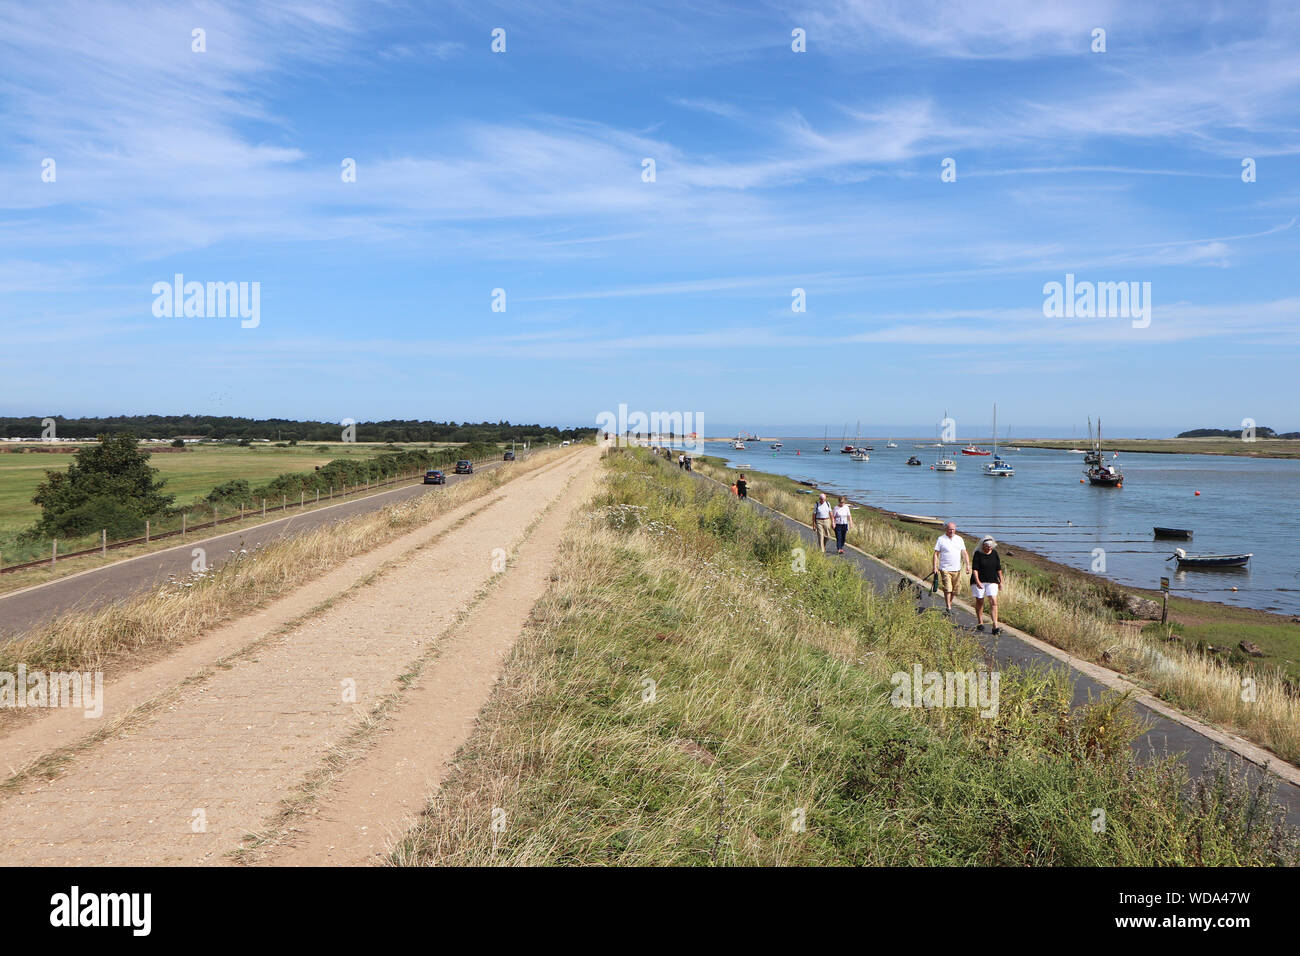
<point>187,784</point>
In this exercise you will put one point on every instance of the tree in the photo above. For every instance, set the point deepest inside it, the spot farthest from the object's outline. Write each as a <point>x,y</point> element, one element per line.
<point>109,486</point>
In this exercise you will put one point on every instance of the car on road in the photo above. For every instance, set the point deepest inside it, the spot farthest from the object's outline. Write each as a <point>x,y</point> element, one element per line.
<point>434,477</point>
<point>508,456</point>
<point>464,467</point>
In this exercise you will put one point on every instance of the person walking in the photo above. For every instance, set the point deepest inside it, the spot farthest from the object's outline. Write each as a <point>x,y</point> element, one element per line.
<point>822,521</point>
<point>742,486</point>
<point>843,523</point>
<point>681,462</point>
<point>986,581</point>
<point>950,560</point>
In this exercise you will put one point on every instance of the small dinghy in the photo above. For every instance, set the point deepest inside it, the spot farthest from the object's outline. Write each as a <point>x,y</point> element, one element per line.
<point>1182,534</point>
<point>922,519</point>
<point>1186,560</point>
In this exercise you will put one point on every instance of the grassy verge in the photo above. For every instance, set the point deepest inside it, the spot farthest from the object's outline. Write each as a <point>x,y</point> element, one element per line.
<point>1083,616</point>
<point>684,695</point>
<point>91,640</point>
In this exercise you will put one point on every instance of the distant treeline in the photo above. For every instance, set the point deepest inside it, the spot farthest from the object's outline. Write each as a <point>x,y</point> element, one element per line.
<point>282,429</point>
<point>1261,431</point>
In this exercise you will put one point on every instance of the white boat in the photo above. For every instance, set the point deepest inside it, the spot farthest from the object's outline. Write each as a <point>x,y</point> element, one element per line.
<point>998,468</point>
<point>775,445</point>
<point>891,444</point>
<point>738,445</point>
<point>859,453</point>
<point>945,464</point>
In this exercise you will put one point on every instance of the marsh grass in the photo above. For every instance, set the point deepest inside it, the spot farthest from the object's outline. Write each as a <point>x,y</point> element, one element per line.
<point>684,696</point>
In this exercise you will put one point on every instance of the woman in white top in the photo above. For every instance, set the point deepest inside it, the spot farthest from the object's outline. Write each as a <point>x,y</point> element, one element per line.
<point>843,522</point>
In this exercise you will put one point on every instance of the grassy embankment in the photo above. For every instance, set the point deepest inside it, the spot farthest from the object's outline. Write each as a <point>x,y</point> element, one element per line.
<point>190,474</point>
<point>1261,448</point>
<point>684,695</point>
<point>117,635</point>
<point>1083,614</point>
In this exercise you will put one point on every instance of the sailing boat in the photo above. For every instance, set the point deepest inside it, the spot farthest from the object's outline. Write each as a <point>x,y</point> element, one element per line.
<point>1107,476</point>
<point>825,445</point>
<point>891,444</point>
<point>845,449</point>
<point>1093,455</point>
<point>998,468</point>
<point>858,453</point>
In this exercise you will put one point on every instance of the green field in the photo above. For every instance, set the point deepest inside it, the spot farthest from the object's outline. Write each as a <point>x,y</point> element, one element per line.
<point>190,474</point>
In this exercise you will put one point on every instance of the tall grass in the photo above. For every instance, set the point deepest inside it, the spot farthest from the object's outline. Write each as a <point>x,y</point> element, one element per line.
<point>1072,619</point>
<point>769,737</point>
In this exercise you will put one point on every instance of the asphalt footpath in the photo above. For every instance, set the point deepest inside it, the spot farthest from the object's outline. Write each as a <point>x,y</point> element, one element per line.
<point>21,610</point>
<point>1163,738</point>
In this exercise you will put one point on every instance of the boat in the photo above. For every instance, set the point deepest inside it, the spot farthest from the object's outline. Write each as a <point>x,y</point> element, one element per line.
<point>1093,455</point>
<point>972,450</point>
<point>1183,534</point>
<point>858,453</point>
<point>891,444</point>
<point>998,468</point>
<point>866,448</point>
<point>1099,473</point>
<point>738,445</point>
<point>1186,560</point>
<point>775,445</point>
<point>944,464</point>
<point>825,444</point>
<point>914,460</point>
<point>921,519</point>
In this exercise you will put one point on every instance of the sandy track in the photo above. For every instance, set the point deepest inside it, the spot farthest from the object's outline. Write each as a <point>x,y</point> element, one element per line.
<point>186,784</point>
<point>380,795</point>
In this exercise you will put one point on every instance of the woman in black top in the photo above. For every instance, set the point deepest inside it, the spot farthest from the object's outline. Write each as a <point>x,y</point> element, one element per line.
<point>986,579</point>
<point>742,487</point>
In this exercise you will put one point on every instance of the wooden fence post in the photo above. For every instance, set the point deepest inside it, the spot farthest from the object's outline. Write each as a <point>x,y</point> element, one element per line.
<point>54,552</point>
<point>146,530</point>
<point>103,542</point>
<point>183,519</point>
<point>263,507</point>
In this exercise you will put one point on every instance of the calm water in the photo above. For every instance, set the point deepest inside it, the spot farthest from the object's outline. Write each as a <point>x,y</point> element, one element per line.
<point>1245,505</point>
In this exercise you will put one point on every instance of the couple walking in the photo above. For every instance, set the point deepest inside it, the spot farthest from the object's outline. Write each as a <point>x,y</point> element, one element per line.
<point>951,561</point>
<point>837,521</point>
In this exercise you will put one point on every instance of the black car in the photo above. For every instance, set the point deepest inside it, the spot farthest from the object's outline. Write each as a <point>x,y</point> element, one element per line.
<point>509,456</point>
<point>464,467</point>
<point>434,477</point>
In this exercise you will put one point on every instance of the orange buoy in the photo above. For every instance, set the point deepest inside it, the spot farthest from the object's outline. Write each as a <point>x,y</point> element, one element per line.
<point>1080,481</point>
<point>1197,493</point>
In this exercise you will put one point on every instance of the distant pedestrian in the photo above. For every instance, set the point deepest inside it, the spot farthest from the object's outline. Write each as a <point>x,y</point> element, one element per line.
<point>742,486</point>
<point>688,463</point>
<point>986,581</point>
<point>950,560</point>
<point>843,523</point>
<point>822,521</point>
<point>681,462</point>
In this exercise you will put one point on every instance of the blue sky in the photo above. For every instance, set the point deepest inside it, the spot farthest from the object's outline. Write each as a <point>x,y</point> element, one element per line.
<point>775,170</point>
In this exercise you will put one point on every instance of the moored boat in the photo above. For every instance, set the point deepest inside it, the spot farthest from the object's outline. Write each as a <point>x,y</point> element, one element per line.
<point>998,468</point>
<point>921,519</point>
<point>944,464</point>
<point>1186,560</point>
<point>1182,534</point>
<point>914,460</point>
<point>973,450</point>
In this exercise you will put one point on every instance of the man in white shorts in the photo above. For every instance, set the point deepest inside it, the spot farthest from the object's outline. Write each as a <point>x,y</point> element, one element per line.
<point>950,559</point>
<point>985,581</point>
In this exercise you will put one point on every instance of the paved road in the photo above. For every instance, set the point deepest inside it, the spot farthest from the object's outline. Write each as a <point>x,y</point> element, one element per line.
<point>22,610</point>
<point>1164,737</point>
